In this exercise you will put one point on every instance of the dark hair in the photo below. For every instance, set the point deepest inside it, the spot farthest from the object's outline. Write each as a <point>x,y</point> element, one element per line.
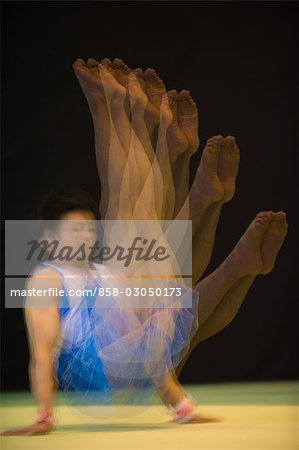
<point>63,200</point>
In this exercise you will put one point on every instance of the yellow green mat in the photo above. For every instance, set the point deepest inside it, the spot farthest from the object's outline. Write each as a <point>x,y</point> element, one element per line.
<point>253,416</point>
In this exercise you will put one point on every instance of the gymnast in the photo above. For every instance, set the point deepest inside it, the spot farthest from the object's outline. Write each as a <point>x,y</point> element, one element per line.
<point>144,139</point>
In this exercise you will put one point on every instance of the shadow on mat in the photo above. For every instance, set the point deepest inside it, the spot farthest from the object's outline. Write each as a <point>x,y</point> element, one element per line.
<point>109,427</point>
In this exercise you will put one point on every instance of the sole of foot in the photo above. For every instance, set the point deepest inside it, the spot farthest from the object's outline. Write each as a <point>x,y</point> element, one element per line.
<point>247,252</point>
<point>176,140</point>
<point>155,89</point>
<point>138,99</point>
<point>114,91</point>
<point>273,240</point>
<point>90,82</point>
<point>207,184</point>
<point>187,118</point>
<point>228,166</point>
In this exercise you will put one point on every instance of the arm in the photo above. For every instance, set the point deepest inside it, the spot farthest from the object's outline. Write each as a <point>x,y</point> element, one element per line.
<point>43,326</point>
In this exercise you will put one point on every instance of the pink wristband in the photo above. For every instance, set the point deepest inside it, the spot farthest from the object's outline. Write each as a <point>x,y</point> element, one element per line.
<point>45,416</point>
<point>184,410</point>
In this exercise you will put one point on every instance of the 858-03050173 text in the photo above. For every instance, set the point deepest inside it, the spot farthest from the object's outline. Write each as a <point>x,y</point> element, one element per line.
<point>100,291</point>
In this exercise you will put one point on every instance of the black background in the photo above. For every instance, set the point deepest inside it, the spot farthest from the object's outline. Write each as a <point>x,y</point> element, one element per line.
<point>238,59</point>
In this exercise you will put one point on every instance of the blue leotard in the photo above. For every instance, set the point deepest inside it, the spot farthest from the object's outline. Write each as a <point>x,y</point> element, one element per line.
<point>107,356</point>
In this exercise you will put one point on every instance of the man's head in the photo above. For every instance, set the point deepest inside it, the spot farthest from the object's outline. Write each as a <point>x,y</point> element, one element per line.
<point>69,216</point>
<point>63,201</point>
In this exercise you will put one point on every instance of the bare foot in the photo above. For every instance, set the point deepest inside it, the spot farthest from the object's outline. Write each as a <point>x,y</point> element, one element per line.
<point>118,69</point>
<point>166,109</point>
<point>114,91</point>
<point>176,140</point>
<point>187,116</point>
<point>154,89</point>
<point>273,240</point>
<point>207,183</point>
<point>139,104</point>
<point>121,72</point>
<point>164,186</point>
<point>90,82</point>
<point>228,166</point>
<point>139,75</point>
<point>115,159</point>
<point>247,252</point>
<point>138,98</point>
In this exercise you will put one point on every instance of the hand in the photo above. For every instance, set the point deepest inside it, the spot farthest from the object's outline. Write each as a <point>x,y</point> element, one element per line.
<point>198,418</point>
<point>36,429</point>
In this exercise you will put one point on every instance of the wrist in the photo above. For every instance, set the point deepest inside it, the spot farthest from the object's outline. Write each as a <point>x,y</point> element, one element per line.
<point>184,410</point>
<point>45,416</point>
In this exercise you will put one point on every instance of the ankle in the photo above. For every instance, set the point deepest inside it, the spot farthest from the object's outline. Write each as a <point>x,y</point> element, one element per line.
<point>233,265</point>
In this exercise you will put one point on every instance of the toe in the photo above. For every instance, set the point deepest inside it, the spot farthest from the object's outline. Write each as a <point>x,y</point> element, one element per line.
<point>215,140</point>
<point>133,78</point>
<point>228,140</point>
<point>138,72</point>
<point>106,62</point>
<point>172,93</point>
<point>91,62</point>
<point>103,69</point>
<point>183,94</point>
<point>117,62</point>
<point>149,73</point>
<point>79,62</point>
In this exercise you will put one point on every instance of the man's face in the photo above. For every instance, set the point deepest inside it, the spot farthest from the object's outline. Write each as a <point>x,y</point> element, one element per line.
<point>76,228</point>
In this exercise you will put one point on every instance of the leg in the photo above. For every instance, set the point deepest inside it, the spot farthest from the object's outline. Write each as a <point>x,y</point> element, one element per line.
<point>213,185</point>
<point>226,282</point>
<point>232,300</point>
<point>90,82</point>
<point>186,127</point>
<point>203,240</point>
<point>244,260</point>
<point>221,167</point>
<point>222,316</point>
